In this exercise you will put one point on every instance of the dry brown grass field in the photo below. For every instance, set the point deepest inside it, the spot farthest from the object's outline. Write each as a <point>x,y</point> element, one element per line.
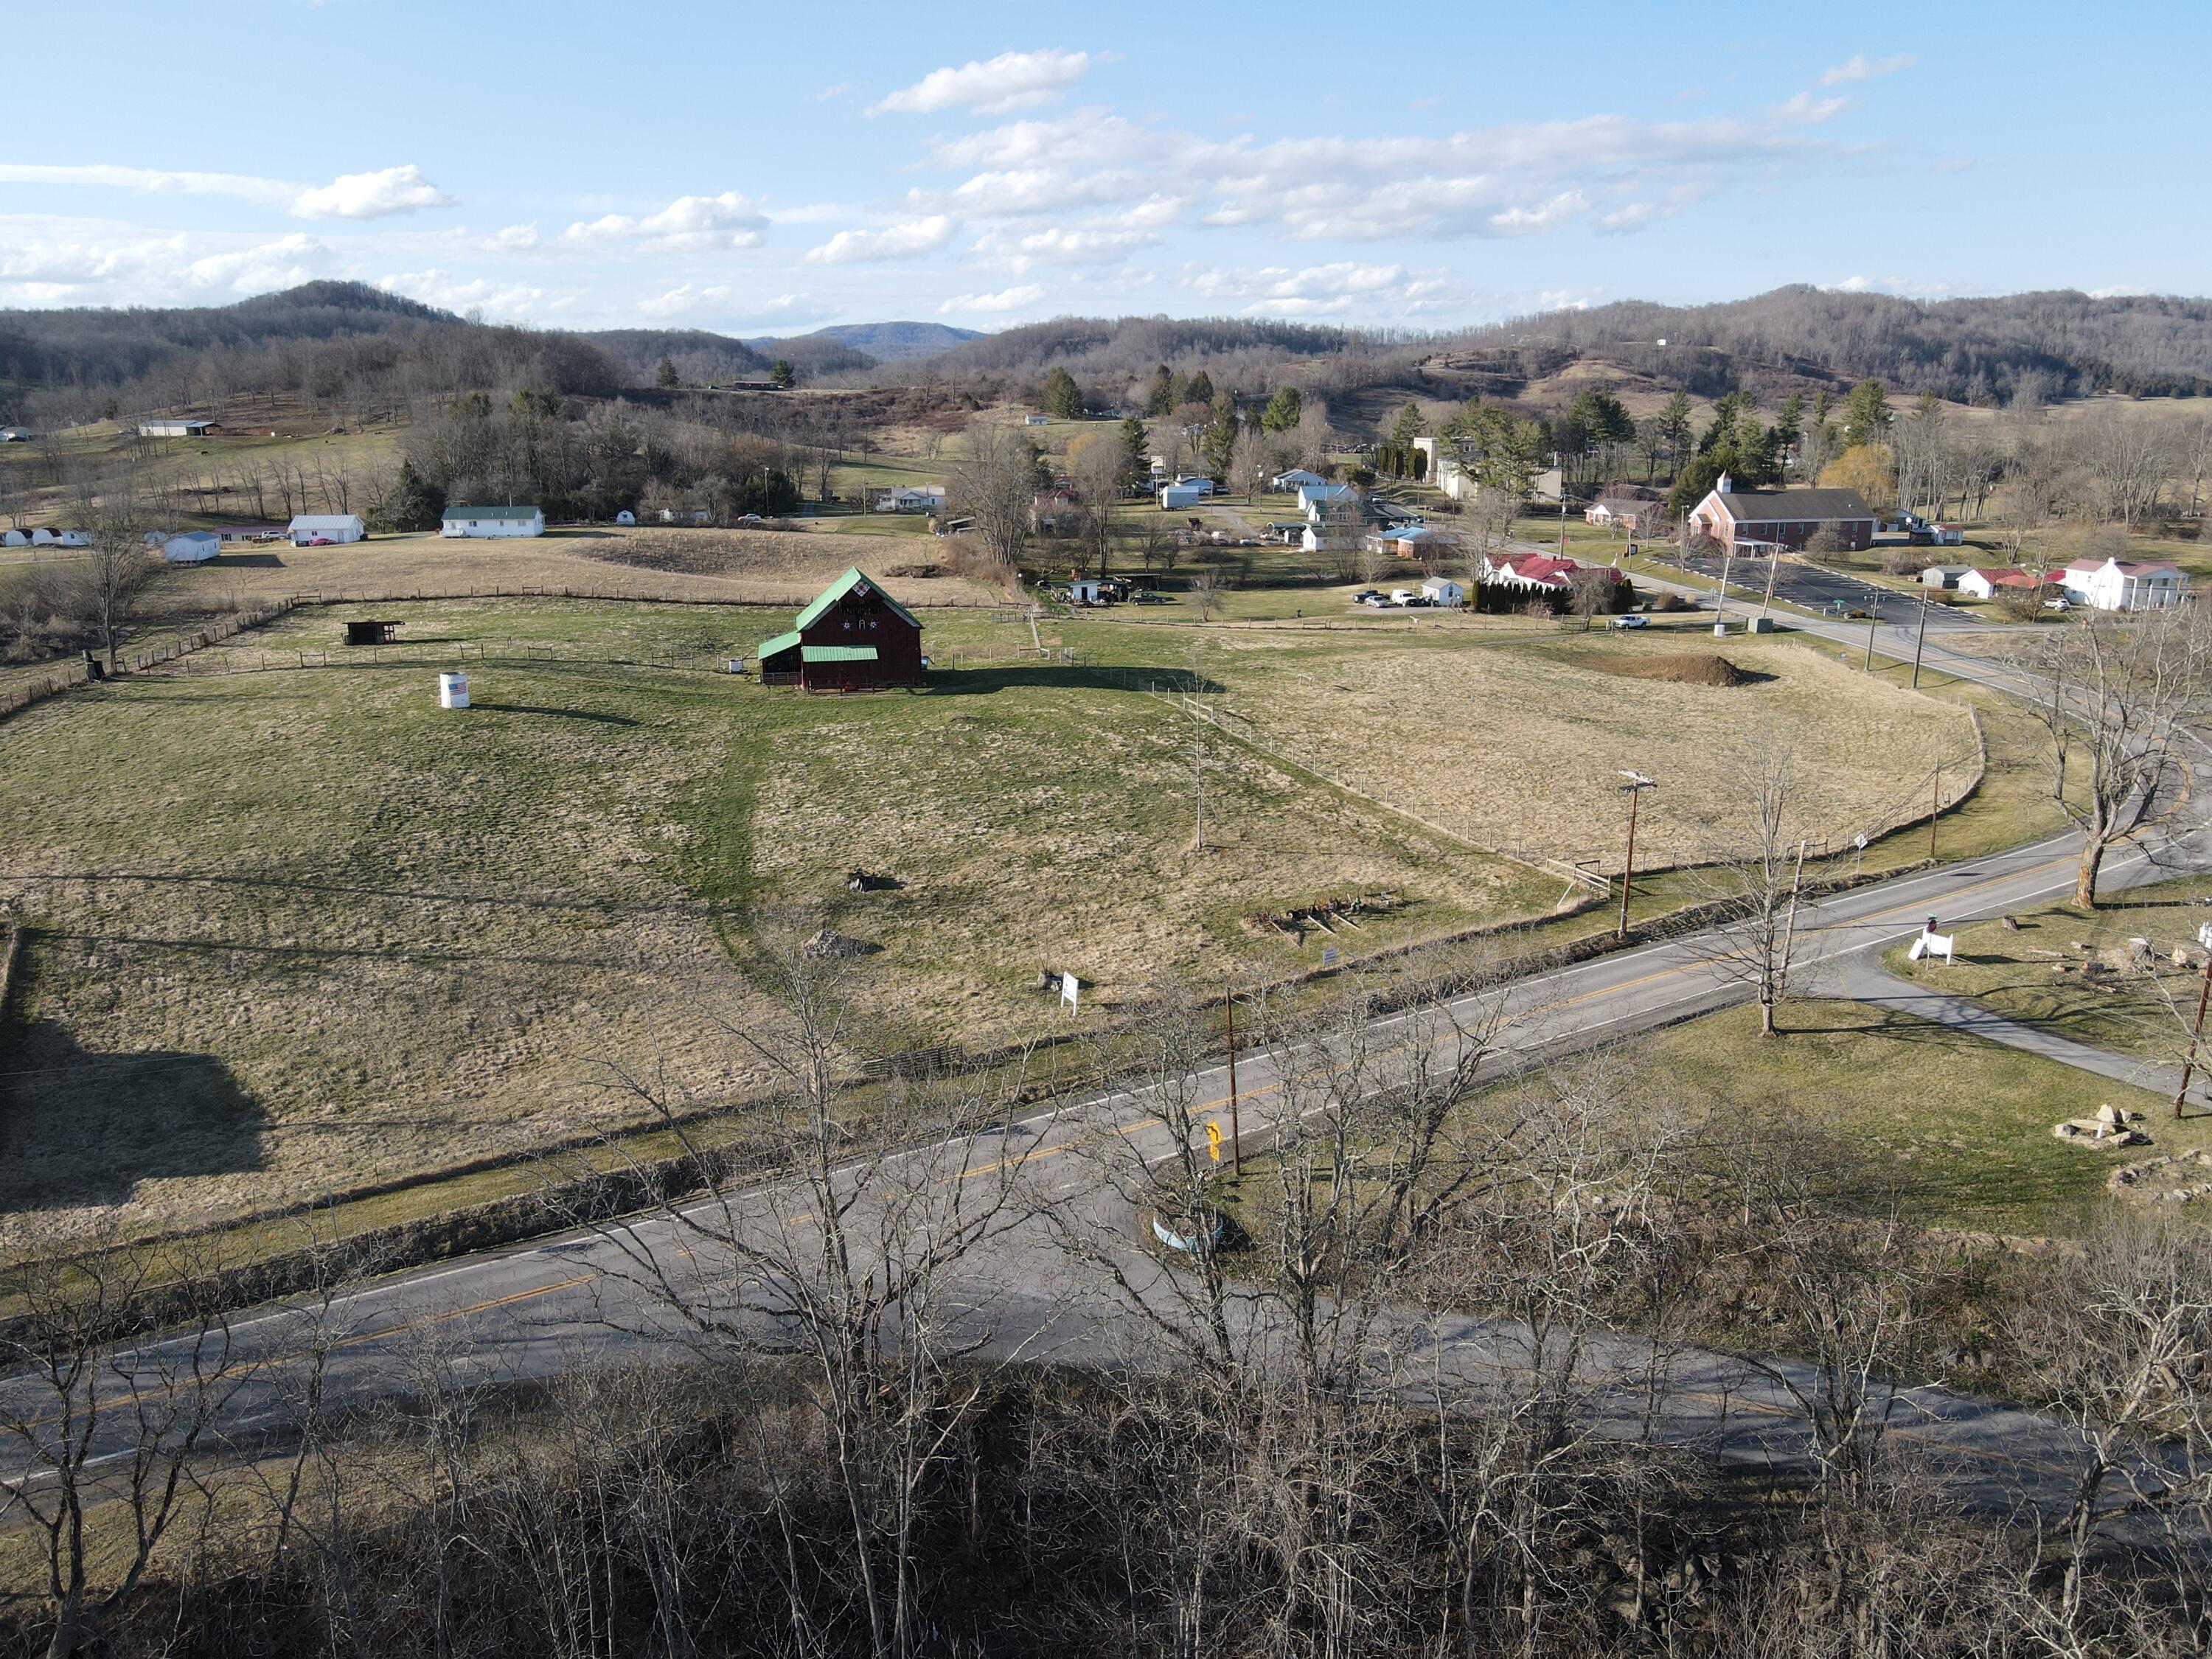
<point>291,932</point>
<point>1522,744</point>
<point>744,566</point>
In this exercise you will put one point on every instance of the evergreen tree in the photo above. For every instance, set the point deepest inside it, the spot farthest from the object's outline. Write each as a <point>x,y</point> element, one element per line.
<point>1283,410</point>
<point>781,376</point>
<point>1791,426</point>
<point>1866,414</point>
<point>416,503</point>
<point>1409,425</point>
<point>1161,400</point>
<point>1674,428</point>
<point>1218,440</point>
<point>1136,452</point>
<point>665,376</point>
<point>1198,390</point>
<point>1063,398</point>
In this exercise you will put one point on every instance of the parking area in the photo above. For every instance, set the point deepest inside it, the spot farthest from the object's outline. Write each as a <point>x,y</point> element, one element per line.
<point>1834,593</point>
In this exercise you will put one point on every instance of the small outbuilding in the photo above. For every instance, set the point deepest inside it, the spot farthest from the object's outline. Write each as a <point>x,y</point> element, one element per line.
<point>485,523</point>
<point>15,539</point>
<point>1987,584</point>
<point>625,517</point>
<point>175,429</point>
<point>1444,593</point>
<point>192,547</point>
<point>1181,494</point>
<point>854,637</point>
<point>324,526</point>
<point>1945,576</point>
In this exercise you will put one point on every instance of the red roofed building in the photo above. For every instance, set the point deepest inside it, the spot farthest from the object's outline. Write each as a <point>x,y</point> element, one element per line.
<point>1538,571</point>
<point>854,637</point>
<point>1988,584</point>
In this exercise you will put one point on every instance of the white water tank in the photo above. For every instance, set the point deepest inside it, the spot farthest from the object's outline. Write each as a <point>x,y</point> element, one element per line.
<point>453,690</point>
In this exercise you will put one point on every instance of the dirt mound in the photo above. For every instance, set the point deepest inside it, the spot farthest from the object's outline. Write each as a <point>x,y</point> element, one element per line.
<point>1683,667</point>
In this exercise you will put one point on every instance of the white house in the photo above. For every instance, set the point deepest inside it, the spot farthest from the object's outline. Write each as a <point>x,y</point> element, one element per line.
<point>1444,592</point>
<point>1197,480</point>
<point>625,517</point>
<point>324,526</point>
<point>192,547</point>
<point>1296,479</point>
<point>175,429</point>
<point>925,498</point>
<point>1183,494</point>
<point>2123,584</point>
<point>485,523</point>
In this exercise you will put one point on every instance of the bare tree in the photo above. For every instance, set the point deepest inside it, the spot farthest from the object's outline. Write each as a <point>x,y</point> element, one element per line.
<point>1095,463</point>
<point>850,1259</point>
<point>1248,461</point>
<point>105,585</point>
<point>994,485</point>
<point>108,1411</point>
<point>1757,870</point>
<point>2126,455</point>
<point>2120,691</point>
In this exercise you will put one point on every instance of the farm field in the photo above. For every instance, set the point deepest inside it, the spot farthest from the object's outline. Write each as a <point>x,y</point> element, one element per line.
<point>738,566</point>
<point>292,932</point>
<point>1516,739</point>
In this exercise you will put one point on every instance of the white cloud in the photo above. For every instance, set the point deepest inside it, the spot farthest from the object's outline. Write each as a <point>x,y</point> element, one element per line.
<point>446,291</point>
<point>152,181</point>
<point>689,224</point>
<point>284,263</point>
<point>1629,217</point>
<point>677,300</point>
<point>1011,81</point>
<point>510,237</point>
<point>1007,299</point>
<point>837,91</point>
<point>370,196</point>
<point>1323,290</point>
<point>1859,67</point>
<point>352,196</point>
<point>1545,216</point>
<point>897,242</point>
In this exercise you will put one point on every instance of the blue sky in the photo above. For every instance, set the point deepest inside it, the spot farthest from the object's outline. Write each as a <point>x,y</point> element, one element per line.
<point>768,169</point>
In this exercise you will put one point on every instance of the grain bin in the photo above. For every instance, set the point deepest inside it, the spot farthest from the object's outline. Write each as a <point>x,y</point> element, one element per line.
<point>454,691</point>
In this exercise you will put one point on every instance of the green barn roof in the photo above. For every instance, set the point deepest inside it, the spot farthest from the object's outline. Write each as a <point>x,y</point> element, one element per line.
<point>842,586</point>
<point>837,654</point>
<point>767,648</point>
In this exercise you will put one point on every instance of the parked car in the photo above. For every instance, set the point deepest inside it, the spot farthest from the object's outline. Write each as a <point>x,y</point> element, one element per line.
<point>318,541</point>
<point>2058,604</point>
<point>1375,601</point>
<point>1402,595</point>
<point>1419,602</point>
<point>1365,594</point>
<point>1632,622</point>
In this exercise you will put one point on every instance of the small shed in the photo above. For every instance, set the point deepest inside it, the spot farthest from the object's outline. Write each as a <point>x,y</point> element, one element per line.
<point>1944,576</point>
<point>192,547</point>
<point>625,517</point>
<point>854,637</point>
<point>15,539</point>
<point>1442,592</point>
<point>1178,496</point>
<point>372,630</point>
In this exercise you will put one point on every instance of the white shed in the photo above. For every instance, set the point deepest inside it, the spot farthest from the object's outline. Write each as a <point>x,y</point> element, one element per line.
<point>42,537</point>
<point>324,526</point>
<point>625,517</point>
<point>491,521</point>
<point>1182,495</point>
<point>192,547</point>
<point>1443,591</point>
<point>15,539</point>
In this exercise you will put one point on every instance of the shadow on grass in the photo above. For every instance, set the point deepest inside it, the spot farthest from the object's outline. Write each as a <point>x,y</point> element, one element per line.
<point>257,561</point>
<point>79,1128</point>
<point>982,682</point>
<point>558,714</point>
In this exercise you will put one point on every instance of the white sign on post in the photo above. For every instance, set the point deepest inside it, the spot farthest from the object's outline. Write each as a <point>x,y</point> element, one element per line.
<point>1932,945</point>
<point>1067,991</point>
<point>1328,955</point>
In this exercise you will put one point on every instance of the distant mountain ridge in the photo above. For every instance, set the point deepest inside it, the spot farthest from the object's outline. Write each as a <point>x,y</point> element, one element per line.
<point>886,343</point>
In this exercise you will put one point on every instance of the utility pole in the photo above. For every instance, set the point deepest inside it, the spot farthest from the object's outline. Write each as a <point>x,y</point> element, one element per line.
<point>1773,569</point>
<point>1935,806</point>
<point>1874,616</point>
<point>1720,598</point>
<point>1637,784</point>
<point>1920,639</point>
<point>1236,1129</point>
<point>2195,1031</point>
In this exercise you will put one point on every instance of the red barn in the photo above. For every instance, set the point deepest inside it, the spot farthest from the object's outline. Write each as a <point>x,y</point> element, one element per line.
<point>854,637</point>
